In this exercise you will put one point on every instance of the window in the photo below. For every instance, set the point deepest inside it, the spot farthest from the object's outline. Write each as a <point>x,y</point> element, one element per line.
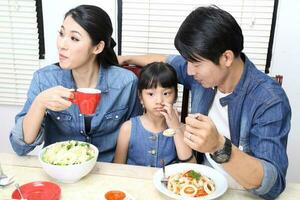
<point>22,41</point>
<point>150,26</point>
<point>19,49</point>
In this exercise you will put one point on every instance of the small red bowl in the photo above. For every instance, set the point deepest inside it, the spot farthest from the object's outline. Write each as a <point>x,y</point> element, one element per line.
<point>38,190</point>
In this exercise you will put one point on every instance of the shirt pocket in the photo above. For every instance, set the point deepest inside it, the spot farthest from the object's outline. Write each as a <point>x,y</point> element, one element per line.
<point>113,120</point>
<point>61,120</point>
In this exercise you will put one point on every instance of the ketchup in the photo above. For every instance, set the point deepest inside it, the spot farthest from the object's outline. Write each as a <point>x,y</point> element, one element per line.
<point>115,195</point>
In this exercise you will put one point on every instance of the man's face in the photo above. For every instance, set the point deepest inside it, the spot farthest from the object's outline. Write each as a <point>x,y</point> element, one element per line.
<point>207,73</point>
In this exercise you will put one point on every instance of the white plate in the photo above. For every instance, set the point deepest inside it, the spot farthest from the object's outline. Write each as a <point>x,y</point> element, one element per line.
<point>220,181</point>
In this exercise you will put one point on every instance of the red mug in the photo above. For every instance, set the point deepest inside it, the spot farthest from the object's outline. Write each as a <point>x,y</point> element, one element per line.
<point>87,100</point>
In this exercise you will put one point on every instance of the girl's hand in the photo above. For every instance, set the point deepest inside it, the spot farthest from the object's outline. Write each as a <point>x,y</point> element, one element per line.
<point>171,116</point>
<point>55,98</point>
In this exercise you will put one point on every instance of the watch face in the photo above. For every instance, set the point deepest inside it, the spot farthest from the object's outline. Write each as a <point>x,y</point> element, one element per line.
<point>222,155</point>
<point>221,158</point>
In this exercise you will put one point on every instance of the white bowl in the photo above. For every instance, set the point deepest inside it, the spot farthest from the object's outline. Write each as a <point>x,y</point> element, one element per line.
<point>68,173</point>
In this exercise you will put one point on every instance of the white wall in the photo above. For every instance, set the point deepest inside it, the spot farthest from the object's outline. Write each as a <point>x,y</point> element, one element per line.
<point>7,119</point>
<point>285,61</point>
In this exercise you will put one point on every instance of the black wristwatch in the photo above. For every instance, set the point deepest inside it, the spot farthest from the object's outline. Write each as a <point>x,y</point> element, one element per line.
<point>222,155</point>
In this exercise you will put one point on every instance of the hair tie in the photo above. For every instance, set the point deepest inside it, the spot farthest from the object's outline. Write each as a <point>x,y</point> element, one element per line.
<point>112,43</point>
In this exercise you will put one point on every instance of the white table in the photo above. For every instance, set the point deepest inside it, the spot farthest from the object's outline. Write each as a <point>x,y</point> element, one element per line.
<point>135,180</point>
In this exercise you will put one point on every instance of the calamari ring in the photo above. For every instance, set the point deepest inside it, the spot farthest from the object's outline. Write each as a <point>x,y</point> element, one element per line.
<point>188,190</point>
<point>208,187</point>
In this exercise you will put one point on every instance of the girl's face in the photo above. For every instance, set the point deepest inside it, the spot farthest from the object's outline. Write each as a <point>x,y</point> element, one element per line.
<point>153,99</point>
<point>74,45</point>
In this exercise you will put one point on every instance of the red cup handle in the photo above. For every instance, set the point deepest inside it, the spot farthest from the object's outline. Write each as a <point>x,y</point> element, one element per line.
<point>73,100</point>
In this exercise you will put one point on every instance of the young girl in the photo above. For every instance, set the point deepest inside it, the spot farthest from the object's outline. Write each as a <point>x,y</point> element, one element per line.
<point>141,141</point>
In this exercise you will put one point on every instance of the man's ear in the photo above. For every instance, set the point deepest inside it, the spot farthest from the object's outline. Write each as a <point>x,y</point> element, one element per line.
<point>227,58</point>
<point>99,47</point>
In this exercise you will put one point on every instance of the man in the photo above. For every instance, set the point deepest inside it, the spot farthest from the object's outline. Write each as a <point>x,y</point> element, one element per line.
<point>241,116</point>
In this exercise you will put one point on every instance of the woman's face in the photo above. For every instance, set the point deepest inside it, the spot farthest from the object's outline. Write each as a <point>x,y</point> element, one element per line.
<point>74,45</point>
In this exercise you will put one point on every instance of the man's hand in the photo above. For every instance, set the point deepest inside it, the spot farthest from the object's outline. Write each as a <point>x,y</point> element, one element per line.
<point>201,134</point>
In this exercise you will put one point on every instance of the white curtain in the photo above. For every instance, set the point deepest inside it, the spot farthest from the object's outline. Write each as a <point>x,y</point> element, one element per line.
<point>19,49</point>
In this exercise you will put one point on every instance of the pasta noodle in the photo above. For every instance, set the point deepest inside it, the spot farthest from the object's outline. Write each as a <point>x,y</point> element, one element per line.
<point>190,184</point>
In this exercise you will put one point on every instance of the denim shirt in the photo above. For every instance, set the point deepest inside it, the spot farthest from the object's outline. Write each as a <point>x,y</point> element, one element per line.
<point>148,149</point>
<point>118,103</point>
<point>259,119</point>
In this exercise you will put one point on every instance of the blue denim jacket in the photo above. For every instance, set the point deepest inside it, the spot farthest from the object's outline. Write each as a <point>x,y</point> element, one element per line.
<point>118,103</point>
<point>259,119</point>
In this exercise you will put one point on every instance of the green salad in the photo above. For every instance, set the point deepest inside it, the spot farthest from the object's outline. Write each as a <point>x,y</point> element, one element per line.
<point>68,153</point>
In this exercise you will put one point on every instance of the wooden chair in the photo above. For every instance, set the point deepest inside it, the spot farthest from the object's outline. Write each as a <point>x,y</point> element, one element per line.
<point>278,78</point>
<point>135,69</point>
<point>184,104</point>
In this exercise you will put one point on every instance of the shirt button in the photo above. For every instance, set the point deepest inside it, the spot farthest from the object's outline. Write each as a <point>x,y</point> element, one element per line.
<point>117,116</point>
<point>241,148</point>
<point>153,152</point>
<point>58,118</point>
<point>80,115</point>
<point>153,137</point>
<point>81,131</point>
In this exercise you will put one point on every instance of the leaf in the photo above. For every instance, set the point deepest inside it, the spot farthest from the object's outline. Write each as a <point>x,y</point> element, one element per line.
<point>194,174</point>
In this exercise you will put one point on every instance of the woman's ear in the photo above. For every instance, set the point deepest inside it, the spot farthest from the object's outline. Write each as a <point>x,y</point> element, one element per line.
<point>227,58</point>
<point>99,47</point>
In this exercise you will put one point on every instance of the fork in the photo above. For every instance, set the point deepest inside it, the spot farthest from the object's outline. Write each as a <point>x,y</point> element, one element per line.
<point>2,175</point>
<point>164,180</point>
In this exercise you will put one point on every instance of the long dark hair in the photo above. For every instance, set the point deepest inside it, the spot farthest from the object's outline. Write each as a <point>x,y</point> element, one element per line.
<point>157,74</point>
<point>207,32</point>
<point>97,24</point>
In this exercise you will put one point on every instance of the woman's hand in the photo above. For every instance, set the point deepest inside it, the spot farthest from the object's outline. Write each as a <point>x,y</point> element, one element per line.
<point>171,116</point>
<point>55,98</point>
<point>201,134</point>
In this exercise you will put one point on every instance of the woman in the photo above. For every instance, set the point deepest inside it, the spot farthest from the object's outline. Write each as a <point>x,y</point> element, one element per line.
<point>86,60</point>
